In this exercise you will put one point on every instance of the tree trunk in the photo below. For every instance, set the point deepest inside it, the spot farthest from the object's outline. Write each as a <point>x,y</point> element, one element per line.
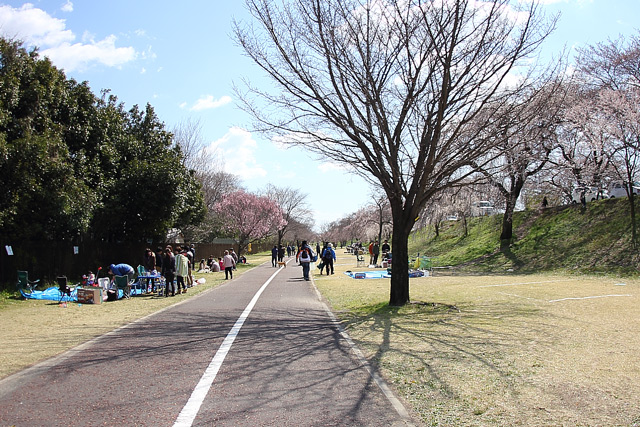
<point>507,218</point>
<point>464,223</point>
<point>400,265</point>
<point>632,211</point>
<point>507,225</point>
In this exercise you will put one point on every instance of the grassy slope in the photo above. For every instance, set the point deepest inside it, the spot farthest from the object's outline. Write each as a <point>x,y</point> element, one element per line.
<point>562,239</point>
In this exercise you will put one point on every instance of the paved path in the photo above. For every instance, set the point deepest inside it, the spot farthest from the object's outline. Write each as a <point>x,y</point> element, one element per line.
<point>288,365</point>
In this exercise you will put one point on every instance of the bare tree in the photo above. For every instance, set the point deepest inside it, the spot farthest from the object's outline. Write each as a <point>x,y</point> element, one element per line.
<point>524,137</point>
<point>582,142</point>
<point>208,170</point>
<point>388,87</point>
<point>293,204</point>
<point>613,70</point>
<point>383,218</point>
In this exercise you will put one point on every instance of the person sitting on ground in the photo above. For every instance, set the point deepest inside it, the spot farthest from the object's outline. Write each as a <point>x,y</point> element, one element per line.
<point>215,267</point>
<point>204,268</point>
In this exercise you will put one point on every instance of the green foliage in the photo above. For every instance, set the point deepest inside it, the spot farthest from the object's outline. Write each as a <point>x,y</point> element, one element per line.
<point>71,162</point>
<point>568,239</point>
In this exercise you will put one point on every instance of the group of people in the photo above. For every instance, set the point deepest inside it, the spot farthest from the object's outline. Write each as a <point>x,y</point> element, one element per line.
<point>305,256</point>
<point>278,252</point>
<point>176,266</point>
<point>375,249</point>
<point>222,263</point>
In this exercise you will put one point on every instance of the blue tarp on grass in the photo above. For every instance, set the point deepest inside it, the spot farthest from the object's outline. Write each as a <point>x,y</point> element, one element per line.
<point>379,274</point>
<point>53,294</point>
<point>376,274</point>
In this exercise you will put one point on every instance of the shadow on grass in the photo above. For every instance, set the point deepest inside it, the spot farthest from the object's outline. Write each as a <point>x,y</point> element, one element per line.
<point>422,343</point>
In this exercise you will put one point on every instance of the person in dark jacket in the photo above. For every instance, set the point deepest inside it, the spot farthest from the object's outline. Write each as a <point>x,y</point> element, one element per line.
<point>274,256</point>
<point>169,271</point>
<point>328,256</point>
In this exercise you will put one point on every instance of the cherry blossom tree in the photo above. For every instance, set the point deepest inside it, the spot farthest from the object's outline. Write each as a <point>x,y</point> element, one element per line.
<point>612,71</point>
<point>524,137</point>
<point>249,217</point>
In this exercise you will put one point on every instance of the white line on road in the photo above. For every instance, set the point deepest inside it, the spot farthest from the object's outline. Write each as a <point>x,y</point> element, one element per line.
<point>190,410</point>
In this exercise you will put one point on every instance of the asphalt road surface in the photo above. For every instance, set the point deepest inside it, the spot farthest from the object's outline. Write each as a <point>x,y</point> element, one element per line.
<point>260,350</point>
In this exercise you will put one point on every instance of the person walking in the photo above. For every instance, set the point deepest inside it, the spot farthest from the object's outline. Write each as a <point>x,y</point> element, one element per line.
<point>274,256</point>
<point>304,258</point>
<point>229,265</point>
<point>328,256</point>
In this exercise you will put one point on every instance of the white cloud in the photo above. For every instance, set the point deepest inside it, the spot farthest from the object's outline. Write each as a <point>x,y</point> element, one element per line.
<point>80,56</point>
<point>35,27</point>
<point>238,149</point>
<point>208,102</point>
<point>332,167</point>
<point>67,7</point>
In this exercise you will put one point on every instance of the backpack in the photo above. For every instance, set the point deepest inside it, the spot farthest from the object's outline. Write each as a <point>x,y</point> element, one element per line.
<point>311,253</point>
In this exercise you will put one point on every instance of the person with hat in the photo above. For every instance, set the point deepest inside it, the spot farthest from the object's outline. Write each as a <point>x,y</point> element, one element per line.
<point>328,256</point>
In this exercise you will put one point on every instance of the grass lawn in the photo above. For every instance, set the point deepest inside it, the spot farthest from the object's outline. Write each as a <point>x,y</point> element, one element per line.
<point>35,330</point>
<point>534,350</point>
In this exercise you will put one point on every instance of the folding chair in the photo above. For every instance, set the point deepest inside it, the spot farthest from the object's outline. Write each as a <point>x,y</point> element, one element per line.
<point>141,283</point>
<point>122,283</point>
<point>63,286</point>
<point>160,286</point>
<point>24,284</point>
<point>104,283</point>
<point>141,271</point>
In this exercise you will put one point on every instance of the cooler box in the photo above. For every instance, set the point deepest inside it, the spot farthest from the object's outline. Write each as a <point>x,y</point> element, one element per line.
<point>90,295</point>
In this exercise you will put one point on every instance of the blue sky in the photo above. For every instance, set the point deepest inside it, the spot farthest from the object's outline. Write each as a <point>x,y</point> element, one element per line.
<point>180,58</point>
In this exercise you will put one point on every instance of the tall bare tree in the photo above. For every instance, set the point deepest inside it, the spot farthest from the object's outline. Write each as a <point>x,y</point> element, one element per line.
<point>388,87</point>
<point>293,204</point>
<point>209,171</point>
<point>524,137</point>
